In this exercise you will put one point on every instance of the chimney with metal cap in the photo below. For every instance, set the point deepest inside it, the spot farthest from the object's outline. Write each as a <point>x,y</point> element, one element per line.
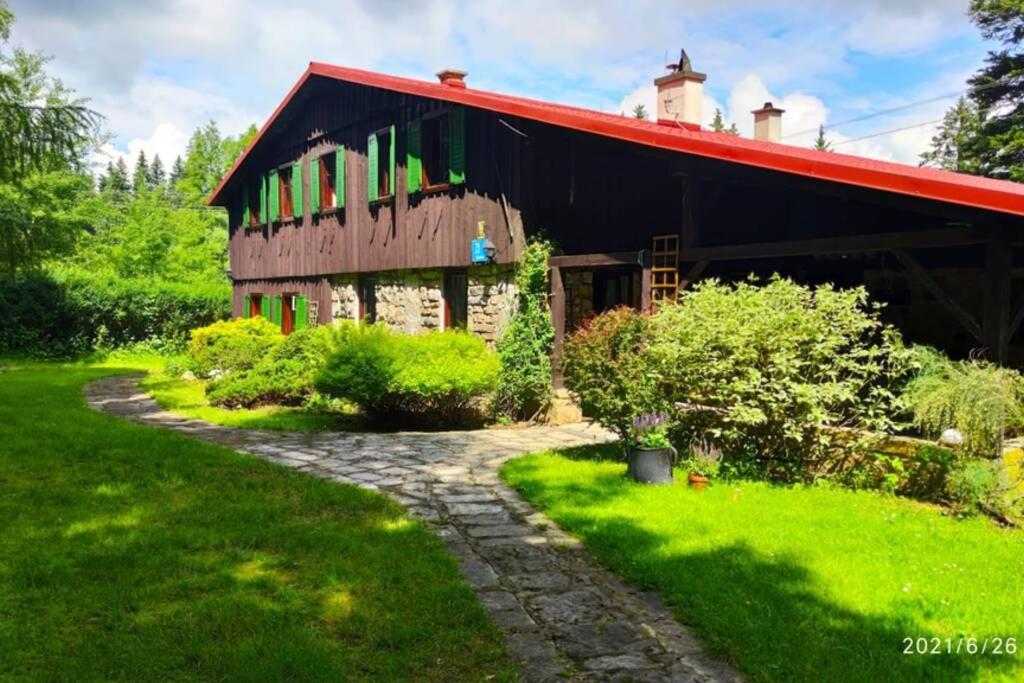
<point>681,94</point>
<point>768,123</point>
<point>452,78</point>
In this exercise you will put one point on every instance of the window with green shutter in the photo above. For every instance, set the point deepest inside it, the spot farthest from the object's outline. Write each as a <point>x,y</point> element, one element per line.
<point>265,303</point>
<point>315,179</point>
<point>246,218</point>
<point>435,148</point>
<point>413,158</point>
<point>274,201</point>
<point>298,210</point>
<point>381,171</point>
<point>264,209</point>
<point>246,307</point>
<point>301,312</point>
<point>457,146</point>
<point>339,177</point>
<point>275,311</point>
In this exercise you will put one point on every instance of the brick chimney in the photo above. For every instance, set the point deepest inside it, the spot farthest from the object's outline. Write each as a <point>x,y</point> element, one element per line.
<point>452,78</point>
<point>681,94</point>
<point>768,123</point>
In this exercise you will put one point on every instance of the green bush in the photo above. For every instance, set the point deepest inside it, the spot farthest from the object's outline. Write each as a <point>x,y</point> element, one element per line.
<point>606,367</point>
<point>285,375</point>
<point>231,346</point>
<point>524,350</point>
<point>771,363</point>
<point>66,314</point>
<point>398,379</point>
<point>980,400</point>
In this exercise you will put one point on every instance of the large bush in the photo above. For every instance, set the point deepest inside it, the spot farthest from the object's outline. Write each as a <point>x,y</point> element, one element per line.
<point>766,365</point>
<point>232,346</point>
<point>524,388</point>
<point>286,374</point>
<point>396,378</point>
<point>606,367</point>
<point>66,314</point>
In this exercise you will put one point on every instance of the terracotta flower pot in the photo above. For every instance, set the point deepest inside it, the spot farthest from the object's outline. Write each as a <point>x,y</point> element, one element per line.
<point>698,482</point>
<point>650,465</point>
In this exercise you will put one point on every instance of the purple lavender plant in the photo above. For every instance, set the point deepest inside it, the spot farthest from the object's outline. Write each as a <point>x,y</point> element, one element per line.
<point>649,430</point>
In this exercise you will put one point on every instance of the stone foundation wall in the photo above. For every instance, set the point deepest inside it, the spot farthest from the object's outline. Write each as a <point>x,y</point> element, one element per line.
<point>344,298</point>
<point>410,300</point>
<point>579,296</point>
<point>492,301</point>
<point>413,300</point>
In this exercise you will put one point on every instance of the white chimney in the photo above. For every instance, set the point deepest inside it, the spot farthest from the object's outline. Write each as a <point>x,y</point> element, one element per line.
<point>681,94</point>
<point>768,123</point>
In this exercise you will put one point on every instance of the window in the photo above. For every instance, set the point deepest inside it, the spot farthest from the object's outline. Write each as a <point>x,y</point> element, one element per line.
<point>327,173</point>
<point>368,299</point>
<point>380,152</point>
<point>288,313</point>
<point>435,152</point>
<point>284,189</point>
<point>254,202</point>
<point>456,297</point>
<point>255,305</point>
<point>613,288</point>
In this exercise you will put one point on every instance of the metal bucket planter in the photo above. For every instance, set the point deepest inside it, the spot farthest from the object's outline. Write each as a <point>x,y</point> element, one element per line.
<point>650,465</point>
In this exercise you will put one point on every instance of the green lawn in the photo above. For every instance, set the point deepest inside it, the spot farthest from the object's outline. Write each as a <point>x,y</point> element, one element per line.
<point>133,553</point>
<point>798,584</point>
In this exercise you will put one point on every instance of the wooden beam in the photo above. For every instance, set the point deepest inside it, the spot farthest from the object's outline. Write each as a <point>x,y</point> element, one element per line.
<point>645,288</point>
<point>692,275</point>
<point>946,237</point>
<point>557,306</point>
<point>996,320</point>
<point>918,273</point>
<point>621,258</point>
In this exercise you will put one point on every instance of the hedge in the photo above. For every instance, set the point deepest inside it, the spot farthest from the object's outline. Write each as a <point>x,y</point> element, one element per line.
<point>48,315</point>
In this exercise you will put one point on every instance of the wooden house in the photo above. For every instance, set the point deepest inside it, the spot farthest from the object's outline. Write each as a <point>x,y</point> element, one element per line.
<point>373,196</point>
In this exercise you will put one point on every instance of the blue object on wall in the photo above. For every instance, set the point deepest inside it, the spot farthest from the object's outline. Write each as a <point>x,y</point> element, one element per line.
<point>478,252</point>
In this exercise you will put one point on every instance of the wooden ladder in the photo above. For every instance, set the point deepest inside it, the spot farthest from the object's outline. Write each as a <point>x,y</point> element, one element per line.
<point>665,268</point>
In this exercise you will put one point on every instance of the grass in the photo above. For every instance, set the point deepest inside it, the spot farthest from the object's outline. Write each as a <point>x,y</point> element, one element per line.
<point>188,398</point>
<point>798,584</point>
<point>133,553</point>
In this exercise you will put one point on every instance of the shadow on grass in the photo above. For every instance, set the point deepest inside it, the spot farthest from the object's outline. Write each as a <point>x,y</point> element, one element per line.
<point>766,613</point>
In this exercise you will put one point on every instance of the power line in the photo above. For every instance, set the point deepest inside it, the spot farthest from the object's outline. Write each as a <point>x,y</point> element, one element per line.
<point>904,107</point>
<point>886,132</point>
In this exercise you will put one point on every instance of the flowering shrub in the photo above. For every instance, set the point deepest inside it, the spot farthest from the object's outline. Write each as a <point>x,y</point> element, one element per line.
<point>649,430</point>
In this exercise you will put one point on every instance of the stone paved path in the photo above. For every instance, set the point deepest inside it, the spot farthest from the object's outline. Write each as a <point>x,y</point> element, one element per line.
<point>563,616</point>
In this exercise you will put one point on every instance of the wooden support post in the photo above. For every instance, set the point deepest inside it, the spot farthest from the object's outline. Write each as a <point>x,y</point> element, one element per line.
<point>558,321</point>
<point>996,320</point>
<point>645,288</point>
<point>918,273</point>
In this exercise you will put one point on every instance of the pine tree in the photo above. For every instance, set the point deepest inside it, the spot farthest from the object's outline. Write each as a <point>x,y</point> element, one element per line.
<point>117,177</point>
<point>140,178</point>
<point>177,171</point>
<point>732,129</point>
<point>951,147</point>
<point>998,91</point>
<point>640,112</point>
<point>157,176</point>
<point>718,122</point>
<point>822,143</point>
<point>103,180</point>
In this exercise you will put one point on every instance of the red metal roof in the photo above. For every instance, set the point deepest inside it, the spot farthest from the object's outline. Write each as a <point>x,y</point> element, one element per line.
<point>944,186</point>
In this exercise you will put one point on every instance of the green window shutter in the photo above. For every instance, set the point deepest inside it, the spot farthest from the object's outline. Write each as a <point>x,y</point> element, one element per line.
<point>457,146</point>
<point>371,165</point>
<point>414,158</point>
<point>245,307</point>
<point>392,181</point>
<point>275,197</point>
<point>246,219</point>
<point>263,199</point>
<point>275,316</point>
<point>339,177</point>
<point>314,184</point>
<point>297,209</point>
<point>301,312</point>
<point>265,306</point>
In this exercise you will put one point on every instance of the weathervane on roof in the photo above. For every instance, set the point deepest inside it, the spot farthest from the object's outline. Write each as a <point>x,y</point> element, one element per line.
<point>683,66</point>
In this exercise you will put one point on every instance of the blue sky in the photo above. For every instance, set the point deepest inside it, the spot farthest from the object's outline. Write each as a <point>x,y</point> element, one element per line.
<point>156,70</point>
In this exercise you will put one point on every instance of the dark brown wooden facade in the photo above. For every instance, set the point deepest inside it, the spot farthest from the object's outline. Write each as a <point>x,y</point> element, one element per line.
<point>597,197</point>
